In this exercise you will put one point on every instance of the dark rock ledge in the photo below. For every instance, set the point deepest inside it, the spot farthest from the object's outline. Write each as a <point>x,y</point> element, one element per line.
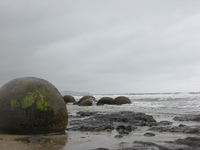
<point>181,128</point>
<point>187,118</point>
<point>124,122</point>
<point>189,143</point>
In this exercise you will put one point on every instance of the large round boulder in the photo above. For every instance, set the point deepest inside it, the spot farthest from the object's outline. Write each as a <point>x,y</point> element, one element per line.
<point>105,100</point>
<point>69,99</point>
<point>121,100</point>
<point>30,105</point>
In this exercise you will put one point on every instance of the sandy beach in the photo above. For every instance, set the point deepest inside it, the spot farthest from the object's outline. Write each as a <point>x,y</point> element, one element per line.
<point>76,140</point>
<point>160,107</point>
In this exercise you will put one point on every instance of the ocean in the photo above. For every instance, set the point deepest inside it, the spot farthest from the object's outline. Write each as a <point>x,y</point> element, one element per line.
<point>150,103</point>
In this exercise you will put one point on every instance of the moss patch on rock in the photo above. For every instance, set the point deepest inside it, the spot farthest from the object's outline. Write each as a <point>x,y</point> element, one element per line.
<point>36,97</point>
<point>14,104</point>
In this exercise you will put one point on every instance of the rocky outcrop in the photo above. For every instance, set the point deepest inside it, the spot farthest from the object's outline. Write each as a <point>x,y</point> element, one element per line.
<point>189,143</point>
<point>192,142</point>
<point>187,118</point>
<point>123,122</point>
<point>181,128</point>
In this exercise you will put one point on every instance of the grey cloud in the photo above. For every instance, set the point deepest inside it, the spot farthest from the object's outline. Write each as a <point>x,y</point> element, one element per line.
<point>105,46</point>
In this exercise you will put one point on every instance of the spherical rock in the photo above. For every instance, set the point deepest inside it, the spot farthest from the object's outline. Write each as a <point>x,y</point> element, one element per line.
<point>86,102</point>
<point>30,105</point>
<point>121,100</point>
<point>91,98</point>
<point>69,99</point>
<point>105,100</point>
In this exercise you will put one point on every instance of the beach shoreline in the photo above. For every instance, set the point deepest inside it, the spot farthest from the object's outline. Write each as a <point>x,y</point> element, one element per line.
<point>86,140</point>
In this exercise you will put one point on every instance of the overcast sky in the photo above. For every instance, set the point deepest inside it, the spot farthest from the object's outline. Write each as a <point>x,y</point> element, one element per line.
<point>103,46</point>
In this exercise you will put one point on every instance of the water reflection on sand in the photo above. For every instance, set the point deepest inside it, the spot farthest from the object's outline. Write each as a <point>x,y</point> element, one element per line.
<point>20,142</point>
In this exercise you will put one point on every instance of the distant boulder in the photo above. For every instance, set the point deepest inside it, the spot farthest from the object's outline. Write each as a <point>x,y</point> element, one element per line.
<point>31,105</point>
<point>86,101</point>
<point>121,100</point>
<point>105,100</point>
<point>69,99</point>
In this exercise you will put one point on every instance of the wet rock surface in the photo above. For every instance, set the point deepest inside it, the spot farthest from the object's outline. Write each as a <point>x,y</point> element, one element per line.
<point>189,143</point>
<point>125,122</point>
<point>187,118</point>
<point>181,128</point>
<point>192,142</point>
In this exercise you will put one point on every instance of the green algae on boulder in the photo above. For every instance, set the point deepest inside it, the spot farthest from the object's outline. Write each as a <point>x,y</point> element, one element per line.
<point>31,105</point>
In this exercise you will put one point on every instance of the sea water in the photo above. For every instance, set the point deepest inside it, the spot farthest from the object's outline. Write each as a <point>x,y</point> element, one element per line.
<point>151,103</point>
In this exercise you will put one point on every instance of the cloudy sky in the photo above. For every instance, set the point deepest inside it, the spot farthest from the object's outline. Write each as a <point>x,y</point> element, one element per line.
<point>103,46</point>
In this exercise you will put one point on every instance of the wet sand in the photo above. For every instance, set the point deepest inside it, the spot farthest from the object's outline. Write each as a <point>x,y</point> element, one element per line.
<point>76,140</point>
<point>19,142</point>
<point>81,140</point>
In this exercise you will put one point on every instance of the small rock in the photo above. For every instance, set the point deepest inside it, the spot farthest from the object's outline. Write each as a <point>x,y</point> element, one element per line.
<point>36,140</point>
<point>124,129</point>
<point>149,134</point>
<point>165,123</point>
<point>101,149</point>
<point>182,125</point>
<point>118,136</point>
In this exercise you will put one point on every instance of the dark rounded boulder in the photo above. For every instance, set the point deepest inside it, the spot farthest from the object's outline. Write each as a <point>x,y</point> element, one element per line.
<point>121,100</point>
<point>86,102</point>
<point>30,105</point>
<point>69,99</point>
<point>89,99</point>
<point>105,100</point>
